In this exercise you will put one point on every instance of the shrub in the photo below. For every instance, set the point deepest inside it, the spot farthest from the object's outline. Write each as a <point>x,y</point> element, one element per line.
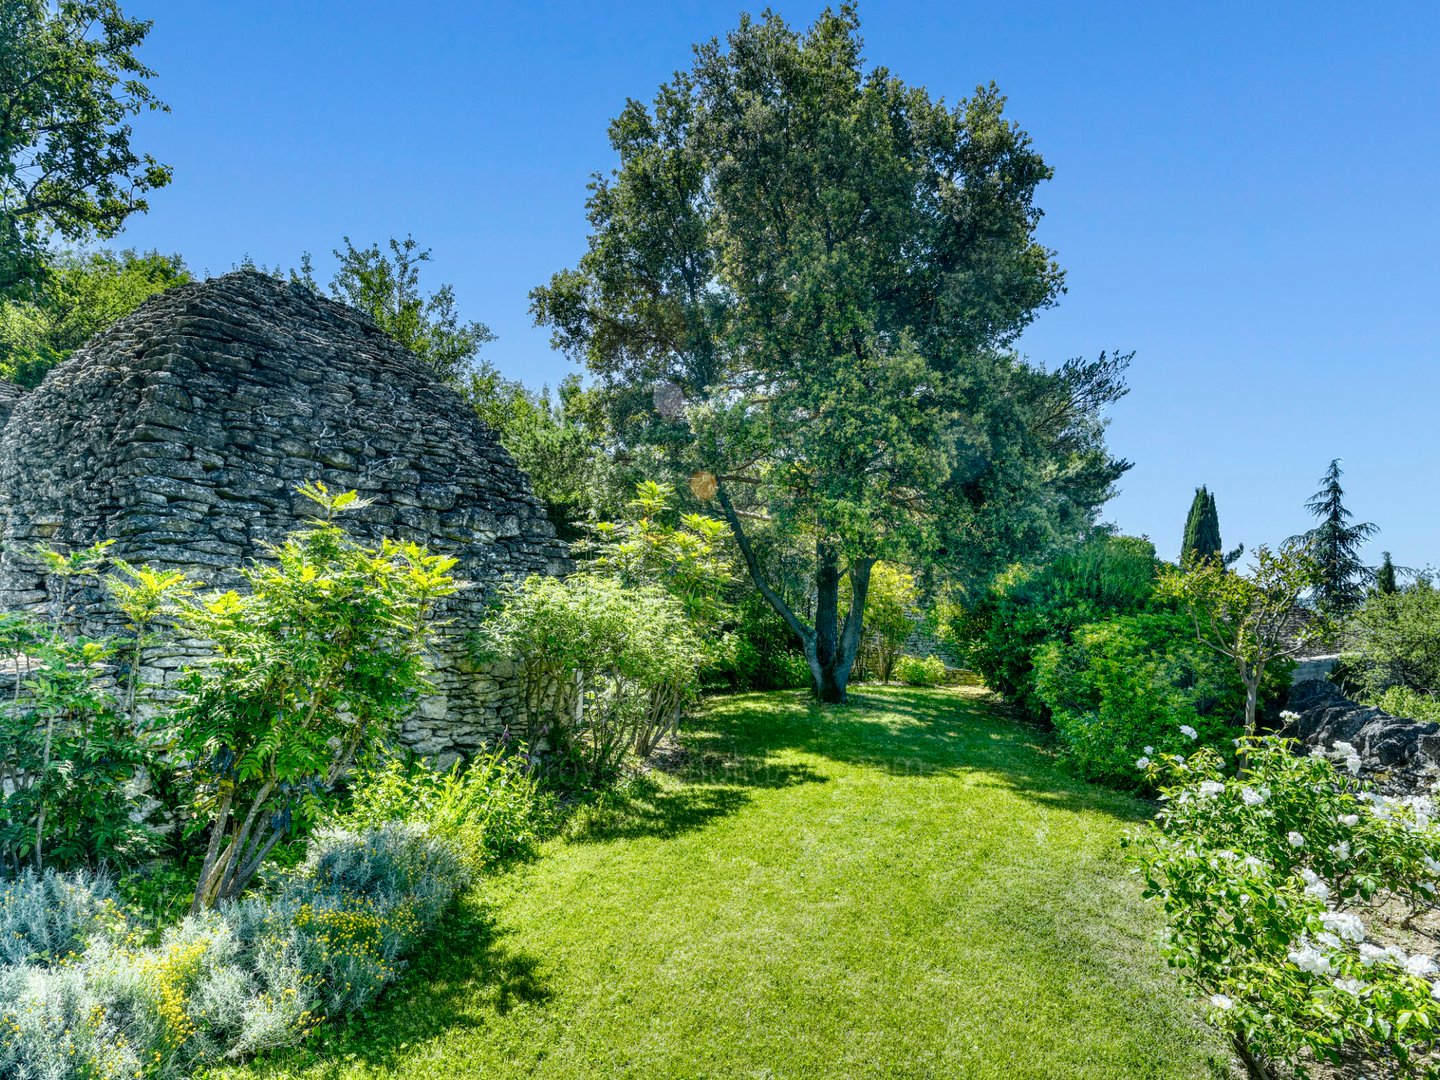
<point>606,668</point>
<point>1121,689</point>
<point>760,653</point>
<point>889,604</point>
<point>1260,877</point>
<point>1105,577</point>
<point>249,976</point>
<point>48,916</point>
<point>489,810</point>
<point>1411,704</point>
<point>318,660</point>
<point>920,671</point>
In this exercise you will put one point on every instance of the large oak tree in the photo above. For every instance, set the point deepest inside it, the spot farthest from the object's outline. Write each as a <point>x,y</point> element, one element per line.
<point>802,285</point>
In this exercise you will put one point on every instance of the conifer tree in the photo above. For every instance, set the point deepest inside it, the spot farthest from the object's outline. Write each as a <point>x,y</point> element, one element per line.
<point>1336,543</point>
<point>1385,577</point>
<point>1202,530</point>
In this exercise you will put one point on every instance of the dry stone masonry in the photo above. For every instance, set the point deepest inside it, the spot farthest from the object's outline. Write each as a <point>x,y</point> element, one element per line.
<point>182,432</point>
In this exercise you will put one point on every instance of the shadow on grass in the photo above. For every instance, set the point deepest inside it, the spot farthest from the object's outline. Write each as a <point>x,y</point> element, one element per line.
<point>906,732</point>
<point>461,981</point>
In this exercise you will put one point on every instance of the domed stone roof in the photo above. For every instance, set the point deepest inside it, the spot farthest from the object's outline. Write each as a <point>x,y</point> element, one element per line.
<point>182,432</point>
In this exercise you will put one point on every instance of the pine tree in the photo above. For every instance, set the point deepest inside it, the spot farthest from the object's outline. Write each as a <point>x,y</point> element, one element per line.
<point>1335,543</point>
<point>1202,530</point>
<point>1385,576</point>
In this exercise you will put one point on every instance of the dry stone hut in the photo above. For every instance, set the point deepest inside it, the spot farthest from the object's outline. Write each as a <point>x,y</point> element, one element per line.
<point>182,432</point>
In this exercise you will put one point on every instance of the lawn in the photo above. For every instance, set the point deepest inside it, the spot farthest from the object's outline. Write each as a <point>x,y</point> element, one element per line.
<point>909,886</point>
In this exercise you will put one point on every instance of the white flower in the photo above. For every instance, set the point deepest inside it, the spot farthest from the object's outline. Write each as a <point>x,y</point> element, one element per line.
<point>1372,954</point>
<point>1308,958</point>
<point>1210,787</point>
<point>1142,763</point>
<point>1296,840</point>
<point>1421,965</point>
<point>1189,732</point>
<point>1253,863</point>
<point>1314,886</point>
<point>1432,864</point>
<point>1350,820</point>
<point>1353,764</point>
<point>1341,850</point>
<point>1149,750</point>
<point>1288,715</point>
<point>1350,986</point>
<point>1220,1001</point>
<point>1345,749</point>
<point>1348,926</point>
<point>1329,940</point>
<point>1435,990</point>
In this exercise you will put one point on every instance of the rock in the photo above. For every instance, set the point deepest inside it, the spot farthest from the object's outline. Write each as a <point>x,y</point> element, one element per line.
<point>182,432</point>
<point>1398,755</point>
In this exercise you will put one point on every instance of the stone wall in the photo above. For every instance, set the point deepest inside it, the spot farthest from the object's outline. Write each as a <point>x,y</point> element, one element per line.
<point>182,432</point>
<point>1398,755</point>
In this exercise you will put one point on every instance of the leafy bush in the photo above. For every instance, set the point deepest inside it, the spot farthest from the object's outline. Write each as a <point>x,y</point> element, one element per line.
<point>1105,577</point>
<point>1263,878</point>
<point>760,651</point>
<point>1394,640</point>
<point>920,671</point>
<point>1411,704</point>
<point>319,659</point>
<point>490,809</point>
<point>889,618</point>
<point>249,976</point>
<point>607,669</point>
<point>1121,689</point>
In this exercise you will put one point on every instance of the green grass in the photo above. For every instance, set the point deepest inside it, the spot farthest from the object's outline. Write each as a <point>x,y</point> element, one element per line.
<point>906,887</point>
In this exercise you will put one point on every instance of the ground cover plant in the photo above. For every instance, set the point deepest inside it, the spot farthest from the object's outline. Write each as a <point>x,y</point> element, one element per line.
<point>911,886</point>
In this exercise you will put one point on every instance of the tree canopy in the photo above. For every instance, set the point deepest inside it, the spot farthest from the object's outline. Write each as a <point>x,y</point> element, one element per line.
<point>70,78</point>
<point>803,284</point>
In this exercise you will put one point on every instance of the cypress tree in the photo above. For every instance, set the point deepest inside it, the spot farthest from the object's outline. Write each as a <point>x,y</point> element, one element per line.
<point>1202,530</point>
<point>1336,542</point>
<point>1385,576</point>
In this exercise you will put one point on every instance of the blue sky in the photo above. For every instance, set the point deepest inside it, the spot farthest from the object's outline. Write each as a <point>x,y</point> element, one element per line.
<point>1245,194</point>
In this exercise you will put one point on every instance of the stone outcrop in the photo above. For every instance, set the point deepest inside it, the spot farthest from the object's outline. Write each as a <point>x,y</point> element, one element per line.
<point>182,433</point>
<point>1398,755</point>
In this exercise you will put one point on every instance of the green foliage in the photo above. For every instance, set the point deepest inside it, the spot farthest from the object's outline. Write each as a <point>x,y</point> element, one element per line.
<point>920,671</point>
<point>1105,577</point>
<point>83,294</point>
<point>685,558</point>
<point>1411,704</point>
<point>558,440</point>
<point>1202,530</point>
<point>759,651</point>
<point>1252,619</point>
<point>1123,688</point>
<point>607,668</point>
<point>889,617</point>
<point>1335,545</point>
<point>803,280</point>
<point>1264,879</point>
<point>317,660</point>
<point>489,809</point>
<point>68,755</point>
<point>1385,576</point>
<point>1394,640</point>
<point>69,80</point>
<point>387,288</point>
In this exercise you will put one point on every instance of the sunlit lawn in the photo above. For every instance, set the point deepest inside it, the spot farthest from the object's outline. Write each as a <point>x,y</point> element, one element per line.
<point>907,887</point>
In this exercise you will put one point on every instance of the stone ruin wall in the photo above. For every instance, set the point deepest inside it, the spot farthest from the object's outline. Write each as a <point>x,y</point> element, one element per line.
<point>182,433</point>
